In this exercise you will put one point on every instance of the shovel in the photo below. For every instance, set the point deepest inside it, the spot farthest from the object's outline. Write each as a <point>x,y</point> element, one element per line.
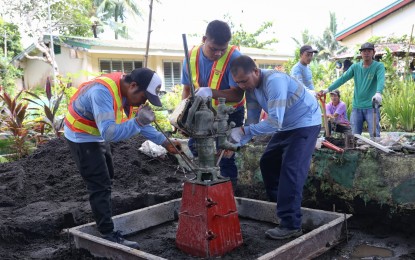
<point>375,106</point>
<point>323,107</point>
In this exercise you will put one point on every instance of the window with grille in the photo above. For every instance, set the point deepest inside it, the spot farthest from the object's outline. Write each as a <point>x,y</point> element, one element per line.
<point>172,74</point>
<point>108,66</point>
<point>268,66</point>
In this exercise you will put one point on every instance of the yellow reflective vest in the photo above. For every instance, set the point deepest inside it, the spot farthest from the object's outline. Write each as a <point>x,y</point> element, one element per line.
<point>79,124</point>
<point>216,74</point>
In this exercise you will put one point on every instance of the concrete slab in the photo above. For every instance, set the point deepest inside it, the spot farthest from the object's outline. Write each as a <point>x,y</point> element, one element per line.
<point>327,229</point>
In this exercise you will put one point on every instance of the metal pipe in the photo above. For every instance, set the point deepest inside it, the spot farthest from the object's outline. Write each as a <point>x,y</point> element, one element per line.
<point>186,54</point>
<point>183,155</point>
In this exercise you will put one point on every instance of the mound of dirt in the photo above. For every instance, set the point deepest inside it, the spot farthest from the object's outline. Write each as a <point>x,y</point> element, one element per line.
<point>43,195</point>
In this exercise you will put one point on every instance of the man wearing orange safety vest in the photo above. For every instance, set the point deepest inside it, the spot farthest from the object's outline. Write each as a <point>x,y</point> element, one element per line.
<point>106,110</point>
<point>211,77</point>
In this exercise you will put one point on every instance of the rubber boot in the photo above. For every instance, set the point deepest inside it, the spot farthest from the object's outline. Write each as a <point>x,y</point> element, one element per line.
<point>117,238</point>
<point>234,182</point>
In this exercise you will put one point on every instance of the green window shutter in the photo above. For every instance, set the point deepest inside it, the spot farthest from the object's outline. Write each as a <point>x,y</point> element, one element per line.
<point>57,49</point>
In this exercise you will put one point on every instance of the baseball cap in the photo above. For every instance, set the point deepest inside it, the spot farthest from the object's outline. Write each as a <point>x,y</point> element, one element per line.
<point>307,48</point>
<point>150,81</point>
<point>335,92</point>
<point>366,46</point>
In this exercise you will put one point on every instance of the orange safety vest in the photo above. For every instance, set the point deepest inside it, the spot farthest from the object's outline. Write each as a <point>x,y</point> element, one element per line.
<point>111,81</point>
<point>216,74</point>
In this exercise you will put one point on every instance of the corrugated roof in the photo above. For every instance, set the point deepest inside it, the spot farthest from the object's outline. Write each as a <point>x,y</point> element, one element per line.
<point>397,49</point>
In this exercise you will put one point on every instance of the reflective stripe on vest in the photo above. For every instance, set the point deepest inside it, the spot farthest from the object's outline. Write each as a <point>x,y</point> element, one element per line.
<point>216,74</point>
<point>82,125</point>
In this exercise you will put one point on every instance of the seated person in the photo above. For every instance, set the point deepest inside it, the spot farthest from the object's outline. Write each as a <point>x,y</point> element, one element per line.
<point>337,114</point>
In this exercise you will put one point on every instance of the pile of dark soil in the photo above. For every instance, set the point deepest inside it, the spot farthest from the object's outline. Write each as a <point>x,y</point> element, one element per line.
<point>43,195</point>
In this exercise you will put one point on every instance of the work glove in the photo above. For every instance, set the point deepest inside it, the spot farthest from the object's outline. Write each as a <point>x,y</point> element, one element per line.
<point>145,116</point>
<point>236,134</point>
<point>176,149</point>
<point>323,92</point>
<point>377,97</point>
<point>204,92</point>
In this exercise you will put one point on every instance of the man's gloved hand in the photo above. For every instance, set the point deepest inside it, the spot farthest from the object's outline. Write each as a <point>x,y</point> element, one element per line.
<point>170,148</point>
<point>377,97</point>
<point>236,134</point>
<point>204,92</point>
<point>145,116</point>
<point>323,92</point>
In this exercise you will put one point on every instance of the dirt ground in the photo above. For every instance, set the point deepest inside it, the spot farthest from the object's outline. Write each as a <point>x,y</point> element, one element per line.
<point>43,195</point>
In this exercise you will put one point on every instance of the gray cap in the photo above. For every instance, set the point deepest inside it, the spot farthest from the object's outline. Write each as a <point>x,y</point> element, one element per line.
<point>307,48</point>
<point>367,46</point>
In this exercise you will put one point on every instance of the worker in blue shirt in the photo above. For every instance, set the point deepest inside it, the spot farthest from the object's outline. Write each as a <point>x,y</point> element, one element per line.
<point>301,71</point>
<point>209,64</point>
<point>106,110</point>
<point>294,119</point>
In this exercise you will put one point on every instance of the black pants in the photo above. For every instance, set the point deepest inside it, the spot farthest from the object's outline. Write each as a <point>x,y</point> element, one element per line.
<point>94,162</point>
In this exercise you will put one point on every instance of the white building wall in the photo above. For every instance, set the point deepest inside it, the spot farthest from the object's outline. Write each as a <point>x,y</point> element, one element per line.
<point>396,24</point>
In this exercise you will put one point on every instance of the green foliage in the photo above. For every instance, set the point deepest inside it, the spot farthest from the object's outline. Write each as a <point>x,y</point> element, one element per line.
<point>49,110</point>
<point>114,12</point>
<point>391,75</point>
<point>69,17</point>
<point>324,73</point>
<point>306,39</point>
<point>8,73</point>
<point>291,62</point>
<point>5,145</point>
<point>12,120</point>
<point>327,45</point>
<point>171,99</point>
<point>76,14</point>
<point>3,159</point>
<point>13,38</point>
<point>398,106</point>
<point>241,37</point>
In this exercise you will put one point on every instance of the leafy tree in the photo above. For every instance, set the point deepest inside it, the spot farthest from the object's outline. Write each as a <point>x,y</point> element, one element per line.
<point>73,17</point>
<point>114,12</point>
<point>328,46</point>
<point>241,37</point>
<point>306,39</point>
<point>10,44</point>
<point>68,17</point>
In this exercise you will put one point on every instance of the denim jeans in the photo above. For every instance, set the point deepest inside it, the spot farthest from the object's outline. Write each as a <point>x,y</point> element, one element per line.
<point>357,118</point>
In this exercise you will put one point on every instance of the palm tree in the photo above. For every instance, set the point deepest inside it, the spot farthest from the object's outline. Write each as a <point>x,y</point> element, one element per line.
<point>114,12</point>
<point>306,39</point>
<point>327,45</point>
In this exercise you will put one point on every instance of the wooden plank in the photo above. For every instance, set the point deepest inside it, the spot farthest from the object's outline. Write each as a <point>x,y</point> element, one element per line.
<point>374,144</point>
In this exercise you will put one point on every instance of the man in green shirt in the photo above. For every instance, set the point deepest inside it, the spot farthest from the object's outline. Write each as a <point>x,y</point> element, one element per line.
<point>369,81</point>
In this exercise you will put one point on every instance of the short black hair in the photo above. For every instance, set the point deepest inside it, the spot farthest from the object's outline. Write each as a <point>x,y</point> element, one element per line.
<point>219,32</point>
<point>243,62</point>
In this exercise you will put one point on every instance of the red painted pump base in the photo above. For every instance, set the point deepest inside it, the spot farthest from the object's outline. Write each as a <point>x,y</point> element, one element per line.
<point>208,220</point>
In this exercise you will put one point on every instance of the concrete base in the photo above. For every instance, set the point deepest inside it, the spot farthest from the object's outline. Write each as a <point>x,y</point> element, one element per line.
<point>327,229</point>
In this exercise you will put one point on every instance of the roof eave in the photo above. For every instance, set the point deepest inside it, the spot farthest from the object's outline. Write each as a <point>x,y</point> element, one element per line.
<point>372,19</point>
